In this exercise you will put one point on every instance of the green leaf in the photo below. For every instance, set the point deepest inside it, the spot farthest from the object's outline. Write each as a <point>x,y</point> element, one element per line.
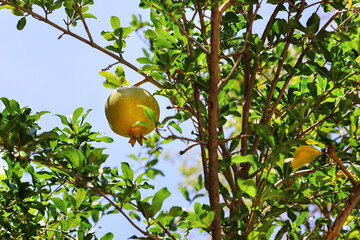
<point>64,120</point>
<point>145,208</point>
<point>120,72</point>
<point>322,47</point>
<point>21,23</point>
<point>247,186</point>
<point>321,70</point>
<point>112,48</point>
<point>149,114</point>
<point>151,34</point>
<point>341,36</point>
<point>85,115</point>
<point>144,60</point>
<point>115,22</point>
<point>296,24</point>
<point>110,85</point>
<point>105,139</point>
<point>89,15</point>
<point>107,236</point>
<point>162,43</point>
<point>59,204</point>
<point>127,171</point>
<point>126,31</point>
<point>176,126</point>
<point>109,77</point>
<point>158,199</point>
<point>313,89</point>
<point>313,23</point>
<point>242,159</point>
<point>108,36</point>
<point>77,113</point>
<point>142,124</point>
<point>301,218</point>
<point>264,132</point>
<point>79,197</point>
<point>111,81</point>
<point>175,211</point>
<point>209,218</point>
<point>234,144</point>
<point>75,156</point>
<point>185,193</point>
<point>8,105</point>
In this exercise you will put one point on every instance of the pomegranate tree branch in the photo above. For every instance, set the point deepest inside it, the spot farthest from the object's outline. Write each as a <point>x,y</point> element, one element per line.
<point>117,207</point>
<point>78,9</point>
<point>213,105</point>
<point>301,173</point>
<point>241,53</point>
<point>80,38</point>
<point>190,38</point>
<point>276,79</point>
<point>226,5</point>
<point>332,154</point>
<point>340,220</point>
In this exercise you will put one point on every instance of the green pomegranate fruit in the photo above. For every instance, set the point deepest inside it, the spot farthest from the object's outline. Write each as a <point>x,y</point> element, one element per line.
<point>123,112</point>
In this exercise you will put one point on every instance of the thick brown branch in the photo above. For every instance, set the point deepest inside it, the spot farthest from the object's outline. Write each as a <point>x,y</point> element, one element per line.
<point>226,5</point>
<point>332,154</point>
<point>353,199</point>
<point>213,105</point>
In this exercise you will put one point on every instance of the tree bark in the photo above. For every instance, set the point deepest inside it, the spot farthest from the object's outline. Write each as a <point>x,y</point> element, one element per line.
<point>344,214</point>
<point>214,73</point>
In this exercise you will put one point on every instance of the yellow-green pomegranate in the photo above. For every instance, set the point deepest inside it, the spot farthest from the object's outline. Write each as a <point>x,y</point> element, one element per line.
<point>123,112</point>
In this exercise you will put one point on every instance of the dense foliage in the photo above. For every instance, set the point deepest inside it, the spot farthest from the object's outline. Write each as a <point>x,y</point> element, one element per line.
<point>260,81</point>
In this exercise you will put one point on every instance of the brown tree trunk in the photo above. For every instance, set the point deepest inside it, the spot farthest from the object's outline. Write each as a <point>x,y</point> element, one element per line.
<point>214,71</point>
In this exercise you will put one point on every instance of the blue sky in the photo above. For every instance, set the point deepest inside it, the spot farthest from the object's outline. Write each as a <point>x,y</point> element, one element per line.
<point>45,73</point>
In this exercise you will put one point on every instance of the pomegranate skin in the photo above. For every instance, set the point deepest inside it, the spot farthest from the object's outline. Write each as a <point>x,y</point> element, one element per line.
<point>122,111</point>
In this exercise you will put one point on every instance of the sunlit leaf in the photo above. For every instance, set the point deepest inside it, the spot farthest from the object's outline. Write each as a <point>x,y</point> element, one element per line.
<point>115,22</point>
<point>303,155</point>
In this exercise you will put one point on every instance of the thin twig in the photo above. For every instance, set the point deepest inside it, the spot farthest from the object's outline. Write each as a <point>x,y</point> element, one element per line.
<point>182,152</point>
<point>202,23</point>
<point>166,230</point>
<point>84,22</point>
<point>302,173</point>
<point>236,137</point>
<point>59,231</point>
<point>110,66</point>
<point>117,207</point>
<point>190,38</point>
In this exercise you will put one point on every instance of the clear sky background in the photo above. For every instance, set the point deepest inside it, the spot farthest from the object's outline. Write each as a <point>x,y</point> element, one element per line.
<point>45,73</point>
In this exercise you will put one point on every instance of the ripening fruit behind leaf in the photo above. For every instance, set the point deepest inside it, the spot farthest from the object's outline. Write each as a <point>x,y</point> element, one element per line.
<point>128,110</point>
<point>303,155</point>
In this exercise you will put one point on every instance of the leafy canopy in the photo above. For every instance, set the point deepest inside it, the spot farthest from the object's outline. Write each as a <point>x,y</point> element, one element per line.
<point>273,100</point>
